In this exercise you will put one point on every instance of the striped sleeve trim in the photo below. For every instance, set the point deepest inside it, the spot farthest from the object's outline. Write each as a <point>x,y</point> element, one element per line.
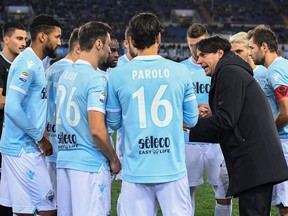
<point>18,89</point>
<point>190,98</point>
<point>113,109</point>
<point>96,109</point>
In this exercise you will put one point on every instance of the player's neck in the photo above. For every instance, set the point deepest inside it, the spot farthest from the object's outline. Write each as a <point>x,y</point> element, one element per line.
<point>153,50</point>
<point>90,57</point>
<point>269,58</point>
<point>129,56</point>
<point>38,50</point>
<point>72,57</point>
<point>8,55</point>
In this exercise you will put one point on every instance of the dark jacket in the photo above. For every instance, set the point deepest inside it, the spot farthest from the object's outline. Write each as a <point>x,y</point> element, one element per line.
<point>243,124</point>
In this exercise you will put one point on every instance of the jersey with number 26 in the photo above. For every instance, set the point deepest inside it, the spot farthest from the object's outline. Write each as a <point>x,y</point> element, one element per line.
<point>80,89</point>
<point>53,74</point>
<point>151,97</point>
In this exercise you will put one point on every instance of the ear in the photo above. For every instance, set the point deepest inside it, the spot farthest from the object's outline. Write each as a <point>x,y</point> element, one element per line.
<point>220,53</point>
<point>42,37</point>
<point>98,44</point>
<point>5,39</point>
<point>158,38</point>
<point>264,46</point>
<point>77,49</point>
<point>125,43</point>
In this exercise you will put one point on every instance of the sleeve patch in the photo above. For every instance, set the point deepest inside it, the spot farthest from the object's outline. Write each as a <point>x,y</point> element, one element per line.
<point>102,97</point>
<point>24,76</point>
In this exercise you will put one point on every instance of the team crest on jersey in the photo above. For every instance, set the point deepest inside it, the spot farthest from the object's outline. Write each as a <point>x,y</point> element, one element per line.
<point>102,96</point>
<point>276,77</point>
<point>24,76</point>
<point>50,195</point>
<point>30,64</point>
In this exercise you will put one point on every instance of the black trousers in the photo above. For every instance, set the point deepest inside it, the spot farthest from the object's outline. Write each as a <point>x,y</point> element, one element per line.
<point>256,201</point>
<point>5,211</point>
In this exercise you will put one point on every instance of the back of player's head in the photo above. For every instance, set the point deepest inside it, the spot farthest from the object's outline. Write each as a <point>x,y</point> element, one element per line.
<point>240,37</point>
<point>213,44</point>
<point>73,40</point>
<point>9,28</point>
<point>42,23</point>
<point>144,29</point>
<point>196,30</point>
<point>262,34</point>
<point>92,31</point>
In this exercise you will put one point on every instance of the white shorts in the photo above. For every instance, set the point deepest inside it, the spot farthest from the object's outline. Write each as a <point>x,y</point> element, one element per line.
<point>141,199</point>
<point>200,157</point>
<point>25,184</point>
<point>83,193</point>
<point>53,176</point>
<point>223,183</point>
<point>280,191</point>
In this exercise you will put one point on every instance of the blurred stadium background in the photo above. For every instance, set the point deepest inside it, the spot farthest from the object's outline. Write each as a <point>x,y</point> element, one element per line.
<point>221,17</point>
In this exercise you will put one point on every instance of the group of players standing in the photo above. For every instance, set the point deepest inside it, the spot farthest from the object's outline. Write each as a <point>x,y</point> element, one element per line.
<point>69,112</point>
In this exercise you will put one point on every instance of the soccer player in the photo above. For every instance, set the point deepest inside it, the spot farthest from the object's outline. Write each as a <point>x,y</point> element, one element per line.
<point>85,153</point>
<point>151,99</point>
<point>200,156</point>
<point>25,183</point>
<point>240,45</point>
<point>263,45</point>
<point>52,76</point>
<point>112,60</point>
<point>252,151</point>
<point>14,37</point>
<point>131,50</point>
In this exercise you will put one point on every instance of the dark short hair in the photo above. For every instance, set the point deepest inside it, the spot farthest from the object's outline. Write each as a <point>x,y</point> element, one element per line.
<point>73,39</point>
<point>143,29</point>
<point>92,31</point>
<point>196,30</point>
<point>43,23</point>
<point>9,28</point>
<point>264,35</point>
<point>213,44</point>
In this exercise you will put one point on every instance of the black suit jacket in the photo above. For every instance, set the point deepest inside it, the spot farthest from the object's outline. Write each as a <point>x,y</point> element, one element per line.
<point>243,124</point>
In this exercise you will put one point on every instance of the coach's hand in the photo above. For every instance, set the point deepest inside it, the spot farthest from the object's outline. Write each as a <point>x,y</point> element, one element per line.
<point>45,146</point>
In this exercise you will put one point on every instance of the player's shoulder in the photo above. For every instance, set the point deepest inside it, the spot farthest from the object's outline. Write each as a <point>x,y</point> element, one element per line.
<point>185,61</point>
<point>27,60</point>
<point>173,64</point>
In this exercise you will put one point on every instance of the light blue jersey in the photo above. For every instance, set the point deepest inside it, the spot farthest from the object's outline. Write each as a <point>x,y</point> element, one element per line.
<point>122,60</point>
<point>80,89</point>
<point>52,76</point>
<point>151,99</point>
<point>25,109</point>
<point>201,84</point>
<point>261,74</point>
<point>277,76</point>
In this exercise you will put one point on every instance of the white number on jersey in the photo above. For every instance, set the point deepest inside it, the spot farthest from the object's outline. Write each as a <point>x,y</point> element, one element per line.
<point>156,103</point>
<point>70,105</point>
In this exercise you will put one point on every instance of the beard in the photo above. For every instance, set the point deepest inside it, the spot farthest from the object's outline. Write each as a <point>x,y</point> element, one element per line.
<point>50,52</point>
<point>259,61</point>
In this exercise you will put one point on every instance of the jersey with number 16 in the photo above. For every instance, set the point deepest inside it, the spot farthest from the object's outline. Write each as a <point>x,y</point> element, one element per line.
<point>151,97</point>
